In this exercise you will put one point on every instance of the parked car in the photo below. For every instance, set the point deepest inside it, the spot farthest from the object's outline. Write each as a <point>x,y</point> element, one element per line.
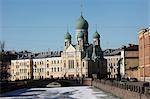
<point>133,79</point>
<point>124,80</point>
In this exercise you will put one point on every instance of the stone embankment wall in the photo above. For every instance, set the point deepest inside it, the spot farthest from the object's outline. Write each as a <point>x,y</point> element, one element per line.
<point>123,90</point>
<point>87,81</point>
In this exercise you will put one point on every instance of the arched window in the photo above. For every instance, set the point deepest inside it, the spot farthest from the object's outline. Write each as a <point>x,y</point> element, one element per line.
<point>48,73</point>
<point>58,69</point>
<point>52,69</point>
<point>47,65</point>
<point>55,69</point>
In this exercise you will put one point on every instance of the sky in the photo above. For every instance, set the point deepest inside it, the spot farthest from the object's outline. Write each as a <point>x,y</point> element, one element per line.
<point>39,25</point>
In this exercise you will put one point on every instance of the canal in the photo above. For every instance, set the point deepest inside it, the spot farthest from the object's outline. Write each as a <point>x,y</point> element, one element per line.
<point>79,92</point>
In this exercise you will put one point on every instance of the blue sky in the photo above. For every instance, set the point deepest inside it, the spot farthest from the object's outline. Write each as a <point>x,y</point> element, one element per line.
<point>37,25</point>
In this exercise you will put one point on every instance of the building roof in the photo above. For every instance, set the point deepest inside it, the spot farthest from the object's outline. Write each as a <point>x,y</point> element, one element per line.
<point>67,36</point>
<point>96,35</point>
<point>48,54</point>
<point>112,52</point>
<point>81,23</point>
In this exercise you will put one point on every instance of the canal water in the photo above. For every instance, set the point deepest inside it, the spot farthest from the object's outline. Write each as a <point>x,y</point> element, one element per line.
<point>79,92</point>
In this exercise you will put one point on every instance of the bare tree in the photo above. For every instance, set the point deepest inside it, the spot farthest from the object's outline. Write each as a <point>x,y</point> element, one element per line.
<point>2,46</point>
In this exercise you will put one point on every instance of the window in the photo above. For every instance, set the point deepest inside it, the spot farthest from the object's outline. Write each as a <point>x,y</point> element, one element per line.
<point>52,69</point>
<point>47,60</point>
<point>17,66</point>
<point>17,73</point>
<point>52,62</point>
<point>58,69</point>
<point>47,65</point>
<point>71,63</point>
<point>48,73</point>
<point>55,69</point>
<point>58,61</point>
<point>65,43</point>
<point>83,64</point>
<point>77,64</point>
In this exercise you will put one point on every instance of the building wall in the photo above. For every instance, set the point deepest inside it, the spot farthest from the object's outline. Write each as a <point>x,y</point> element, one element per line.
<point>72,64</point>
<point>54,67</point>
<point>69,64</point>
<point>39,68</point>
<point>21,69</point>
<point>144,54</point>
<point>112,66</point>
<point>132,64</point>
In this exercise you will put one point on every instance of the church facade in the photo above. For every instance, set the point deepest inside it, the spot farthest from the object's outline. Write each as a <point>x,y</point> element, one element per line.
<point>76,60</point>
<point>83,59</point>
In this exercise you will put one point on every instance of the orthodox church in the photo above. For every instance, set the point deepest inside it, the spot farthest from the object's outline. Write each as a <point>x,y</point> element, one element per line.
<point>83,59</point>
<point>76,60</point>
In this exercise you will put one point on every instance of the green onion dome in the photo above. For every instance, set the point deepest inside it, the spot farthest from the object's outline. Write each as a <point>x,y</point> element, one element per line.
<point>82,23</point>
<point>96,35</point>
<point>67,36</point>
<point>81,35</point>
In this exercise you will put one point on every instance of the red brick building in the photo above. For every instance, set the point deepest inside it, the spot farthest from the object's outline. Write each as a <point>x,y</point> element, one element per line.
<point>144,54</point>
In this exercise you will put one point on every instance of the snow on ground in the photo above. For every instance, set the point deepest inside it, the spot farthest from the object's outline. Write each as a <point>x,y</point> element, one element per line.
<point>80,92</point>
